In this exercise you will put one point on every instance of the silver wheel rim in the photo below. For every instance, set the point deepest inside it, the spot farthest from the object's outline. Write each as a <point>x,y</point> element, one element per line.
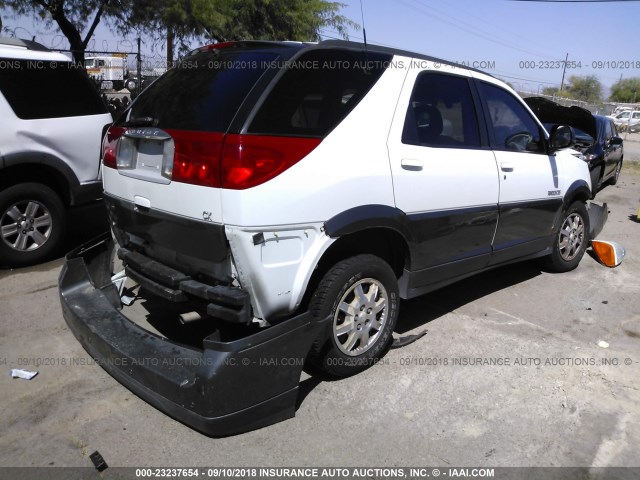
<point>26,225</point>
<point>360,317</point>
<point>571,237</point>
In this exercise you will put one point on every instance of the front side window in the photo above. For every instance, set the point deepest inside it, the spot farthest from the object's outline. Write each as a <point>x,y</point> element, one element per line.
<point>608,131</point>
<point>512,126</point>
<point>441,113</point>
<point>613,128</point>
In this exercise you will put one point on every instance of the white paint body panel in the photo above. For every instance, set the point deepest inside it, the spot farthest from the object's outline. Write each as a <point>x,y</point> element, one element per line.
<point>349,168</point>
<point>442,178</point>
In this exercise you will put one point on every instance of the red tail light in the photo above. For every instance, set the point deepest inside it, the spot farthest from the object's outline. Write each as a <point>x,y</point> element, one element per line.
<point>217,160</point>
<point>197,157</point>
<point>250,160</point>
<point>109,144</point>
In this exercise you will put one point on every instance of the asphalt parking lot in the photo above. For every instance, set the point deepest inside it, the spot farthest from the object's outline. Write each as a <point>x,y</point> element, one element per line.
<point>563,388</point>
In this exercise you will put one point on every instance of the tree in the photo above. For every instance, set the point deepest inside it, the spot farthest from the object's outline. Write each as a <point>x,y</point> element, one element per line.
<point>555,92</point>
<point>185,20</point>
<point>225,20</point>
<point>626,91</point>
<point>71,16</point>
<point>588,88</point>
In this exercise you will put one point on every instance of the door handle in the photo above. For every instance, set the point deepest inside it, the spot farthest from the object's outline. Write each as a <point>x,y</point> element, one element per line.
<point>411,164</point>
<point>506,167</point>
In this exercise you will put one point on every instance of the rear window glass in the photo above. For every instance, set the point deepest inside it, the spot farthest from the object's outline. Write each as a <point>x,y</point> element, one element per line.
<point>204,91</point>
<point>318,90</point>
<point>36,89</point>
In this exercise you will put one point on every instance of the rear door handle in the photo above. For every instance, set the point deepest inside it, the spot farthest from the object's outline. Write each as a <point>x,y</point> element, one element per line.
<point>506,167</point>
<point>411,164</point>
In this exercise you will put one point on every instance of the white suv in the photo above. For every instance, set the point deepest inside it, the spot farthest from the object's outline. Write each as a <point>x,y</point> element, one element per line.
<point>52,123</point>
<point>257,181</point>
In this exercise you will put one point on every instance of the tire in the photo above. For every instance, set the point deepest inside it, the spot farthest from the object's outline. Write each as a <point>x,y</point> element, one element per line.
<point>32,224</point>
<point>130,84</point>
<point>571,239</point>
<point>361,331</point>
<point>616,175</point>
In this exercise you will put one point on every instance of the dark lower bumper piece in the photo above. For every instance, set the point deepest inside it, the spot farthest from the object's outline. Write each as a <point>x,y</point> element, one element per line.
<point>598,215</point>
<point>226,388</point>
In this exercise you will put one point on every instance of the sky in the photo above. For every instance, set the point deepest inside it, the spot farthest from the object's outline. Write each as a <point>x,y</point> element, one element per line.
<point>522,42</point>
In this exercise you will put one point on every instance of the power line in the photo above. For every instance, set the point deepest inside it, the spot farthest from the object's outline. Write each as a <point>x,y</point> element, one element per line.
<point>575,1</point>
<point>469,28</point>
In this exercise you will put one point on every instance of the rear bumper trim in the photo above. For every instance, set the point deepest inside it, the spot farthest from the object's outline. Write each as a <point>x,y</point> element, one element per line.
<point>228,303</point>
<point>230,386</point>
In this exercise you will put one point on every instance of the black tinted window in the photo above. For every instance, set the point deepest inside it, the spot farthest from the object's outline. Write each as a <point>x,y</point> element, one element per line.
<point>608,131</point>
<point>37,89</point>
<point>512,125</point>
<point>317,91</point>
<point>441,113</point>
<point>204,91</point>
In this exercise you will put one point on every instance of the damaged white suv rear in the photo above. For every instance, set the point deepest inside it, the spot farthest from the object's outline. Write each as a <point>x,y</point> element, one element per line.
<point>290,195</point>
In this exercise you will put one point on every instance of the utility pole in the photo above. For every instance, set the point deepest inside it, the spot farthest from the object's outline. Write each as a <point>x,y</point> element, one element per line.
<point>139,68</point>
<point>563,71</point>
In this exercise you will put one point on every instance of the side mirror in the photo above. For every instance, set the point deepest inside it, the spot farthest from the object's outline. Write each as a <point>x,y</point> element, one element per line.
<point>616,141</point>
<point>561,137</point>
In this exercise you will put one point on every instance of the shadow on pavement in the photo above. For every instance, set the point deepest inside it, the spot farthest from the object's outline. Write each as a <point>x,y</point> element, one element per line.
<point>84,223</point>
<point>420,311</point>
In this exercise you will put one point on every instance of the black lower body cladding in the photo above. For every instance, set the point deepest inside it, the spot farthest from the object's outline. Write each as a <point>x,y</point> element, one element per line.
<point>178,242</point>
<point>226,388</point>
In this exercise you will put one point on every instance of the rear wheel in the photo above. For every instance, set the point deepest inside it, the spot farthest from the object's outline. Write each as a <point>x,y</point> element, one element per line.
<point>571,239</point>
<point>32,219</point>
<point>361,296</point>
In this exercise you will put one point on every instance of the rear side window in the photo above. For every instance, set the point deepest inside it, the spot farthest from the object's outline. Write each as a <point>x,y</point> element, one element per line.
<point>36,89</point>
<point>441,113</point>
<point>317,91</point>
<point>204,91</point>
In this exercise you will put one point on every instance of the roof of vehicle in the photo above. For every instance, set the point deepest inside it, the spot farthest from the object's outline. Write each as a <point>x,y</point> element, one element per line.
<point>19,48</point>
<point>343,45</point>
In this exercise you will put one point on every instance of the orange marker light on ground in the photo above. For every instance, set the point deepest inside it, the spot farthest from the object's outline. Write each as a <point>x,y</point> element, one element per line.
<point>609,253</point>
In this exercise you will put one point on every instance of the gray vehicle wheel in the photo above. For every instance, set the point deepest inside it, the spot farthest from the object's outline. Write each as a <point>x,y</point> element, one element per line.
<point>32,219</point>
<point>361,296</point>
<point>571,239</point>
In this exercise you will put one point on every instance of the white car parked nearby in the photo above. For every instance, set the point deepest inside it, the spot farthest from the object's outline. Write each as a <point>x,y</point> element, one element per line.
<point>52,124</point>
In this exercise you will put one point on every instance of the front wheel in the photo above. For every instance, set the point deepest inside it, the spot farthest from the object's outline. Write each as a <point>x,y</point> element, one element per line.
<point>361,296</point>
<point>571,239</point>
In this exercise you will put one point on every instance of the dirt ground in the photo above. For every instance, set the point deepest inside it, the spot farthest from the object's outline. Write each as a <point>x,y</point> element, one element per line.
<point>558,398</point>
